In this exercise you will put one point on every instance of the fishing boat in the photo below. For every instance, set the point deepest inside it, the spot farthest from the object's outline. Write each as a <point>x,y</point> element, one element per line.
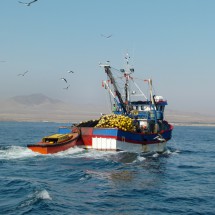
<point>115,131</point>
<point>136,123</point>
<point>55,143</point>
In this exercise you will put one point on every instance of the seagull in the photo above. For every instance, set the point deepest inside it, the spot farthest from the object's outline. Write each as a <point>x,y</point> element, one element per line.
<point>70,71</point>
<point>23,74</point>
<point>2,61</point>
<point>108,36</point>
<point>63,79</point>
<point>29,3</point>
<point>66,88</point>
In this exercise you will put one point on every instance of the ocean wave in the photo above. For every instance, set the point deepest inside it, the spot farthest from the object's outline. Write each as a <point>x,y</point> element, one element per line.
<point>171,152</point>
<point>155,155</point>
<point>95,154</point>
<point>90,154</point>
<point>15,152</point>
<point>43,195</point>
<point>140,158</point>
<point>35,197</point>
<point>69,153</point>
<point>20,152</point>
<point>113,156</point>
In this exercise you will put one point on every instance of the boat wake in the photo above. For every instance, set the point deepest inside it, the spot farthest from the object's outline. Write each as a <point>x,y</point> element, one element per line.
<point>95,154</point>
<point>112,156</point>
<point>15,152</point>
<point>19,152</point>
<point>171,152</point>
<point>139,159</point>
<point>72,152</point>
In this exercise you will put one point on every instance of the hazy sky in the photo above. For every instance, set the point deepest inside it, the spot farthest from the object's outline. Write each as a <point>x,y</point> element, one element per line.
<point>170,41</point>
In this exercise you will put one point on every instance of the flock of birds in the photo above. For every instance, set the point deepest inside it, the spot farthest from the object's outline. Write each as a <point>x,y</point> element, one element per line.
<point>70,71</point>
<point>63,79</point>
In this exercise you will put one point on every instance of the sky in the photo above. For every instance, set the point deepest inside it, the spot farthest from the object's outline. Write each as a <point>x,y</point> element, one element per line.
<point>170,41</point>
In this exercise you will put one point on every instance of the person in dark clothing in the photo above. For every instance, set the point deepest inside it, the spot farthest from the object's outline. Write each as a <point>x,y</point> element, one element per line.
<point>136,123</point>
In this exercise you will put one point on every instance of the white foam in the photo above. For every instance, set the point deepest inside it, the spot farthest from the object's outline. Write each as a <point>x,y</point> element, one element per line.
<point>43,195</point>
<point>155,155</point>
<point>16,152</point>
<point>99,154</point>
<point>176,152</point>
<point>68,153</point>
<point>32,198</point>
<point>140,158</point>
<point>94,154</point>
<point>168,152</point>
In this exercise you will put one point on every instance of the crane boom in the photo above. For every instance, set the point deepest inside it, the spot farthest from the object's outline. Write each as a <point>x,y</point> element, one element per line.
<point>118,94</point>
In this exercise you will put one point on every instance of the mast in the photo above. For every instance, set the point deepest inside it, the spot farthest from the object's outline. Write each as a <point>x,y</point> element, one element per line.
<point>125,105</point>
<point>126,78</point>
<point>153,106</point>
<point>127,75</point>
<point>118,94</point>
<point>151,94</point>
<point>127,94</point>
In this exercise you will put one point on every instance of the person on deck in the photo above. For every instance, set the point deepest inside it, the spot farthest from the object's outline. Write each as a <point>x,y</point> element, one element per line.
<point>114,108</point>
<point>136,123</point>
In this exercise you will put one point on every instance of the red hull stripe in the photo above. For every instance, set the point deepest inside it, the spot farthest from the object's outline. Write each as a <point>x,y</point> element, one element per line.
<point>133,138</point>
<point>87,133</point>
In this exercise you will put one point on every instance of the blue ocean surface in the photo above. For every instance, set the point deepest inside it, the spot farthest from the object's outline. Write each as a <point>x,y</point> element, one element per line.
<point>76,181</point>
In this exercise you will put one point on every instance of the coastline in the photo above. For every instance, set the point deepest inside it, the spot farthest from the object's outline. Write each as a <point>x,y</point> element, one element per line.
<point>193,124</point>
<point>33,120</point>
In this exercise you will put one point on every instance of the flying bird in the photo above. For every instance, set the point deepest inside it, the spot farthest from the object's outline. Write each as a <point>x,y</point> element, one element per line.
<point>23,74</point>
<point>66,88</point>
<point>106,36</point>
<point>27,3</point>
<point>70,71</point>
<point>2,61</point>
<point>63,79</point>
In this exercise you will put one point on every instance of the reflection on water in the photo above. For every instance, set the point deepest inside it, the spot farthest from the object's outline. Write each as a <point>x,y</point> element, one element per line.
<point>124,175</point>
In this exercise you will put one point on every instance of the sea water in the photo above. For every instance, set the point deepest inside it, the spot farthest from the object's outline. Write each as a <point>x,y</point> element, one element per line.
<point>179,181</point>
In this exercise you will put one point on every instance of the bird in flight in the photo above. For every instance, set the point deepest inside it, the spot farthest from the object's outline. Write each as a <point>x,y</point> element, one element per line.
<point>23,74</point>
<point>106,36</point>
<point>2,61</point>
<point>70,71</point>
<point>27,3</point>
<point>66,88</point>
<point>63,79</point>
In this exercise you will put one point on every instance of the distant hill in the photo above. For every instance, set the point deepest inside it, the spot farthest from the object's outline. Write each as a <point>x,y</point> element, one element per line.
<point>39,107</point>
